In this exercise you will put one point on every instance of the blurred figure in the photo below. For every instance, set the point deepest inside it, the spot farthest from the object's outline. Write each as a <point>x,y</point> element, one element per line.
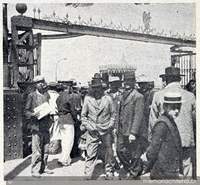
<point>39,127</point>
<point>191,86</point>
<point>55,137</point>
<point>146,89</point>
<point>164,83</point>
<point>115,84</point>
<point>76,103</point>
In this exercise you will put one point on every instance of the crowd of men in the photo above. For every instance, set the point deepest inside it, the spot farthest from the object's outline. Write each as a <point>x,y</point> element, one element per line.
<point>133,131</point>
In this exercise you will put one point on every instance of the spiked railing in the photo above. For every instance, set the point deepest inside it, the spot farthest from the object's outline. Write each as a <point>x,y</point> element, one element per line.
<point>101,24</point>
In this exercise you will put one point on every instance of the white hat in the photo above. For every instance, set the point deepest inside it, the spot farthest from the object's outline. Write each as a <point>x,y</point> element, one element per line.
<point>114,79</point>
<point>38,78</point>
<point>171,97</point>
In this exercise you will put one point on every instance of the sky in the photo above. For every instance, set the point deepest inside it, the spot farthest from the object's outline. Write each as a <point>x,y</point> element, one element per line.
<point>85,54</point>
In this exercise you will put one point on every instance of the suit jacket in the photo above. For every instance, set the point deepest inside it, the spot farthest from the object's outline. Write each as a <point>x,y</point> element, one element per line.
<point>164,154</point>
<point>98,117</point>
<point>66,109</point>
<point>130,114</point>
<point>32,102</point>
<point>185,120</point>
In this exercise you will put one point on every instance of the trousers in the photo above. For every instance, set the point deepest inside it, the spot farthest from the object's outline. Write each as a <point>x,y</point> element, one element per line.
<point>67,141</point>
<point>129,154</point>
<point>40,150</point>
<point>94,143</point>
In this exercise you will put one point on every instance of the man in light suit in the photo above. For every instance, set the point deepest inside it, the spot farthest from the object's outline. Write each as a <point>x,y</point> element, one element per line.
<point>98,116</point>
<point>185,120</point>
<point>130,128</point>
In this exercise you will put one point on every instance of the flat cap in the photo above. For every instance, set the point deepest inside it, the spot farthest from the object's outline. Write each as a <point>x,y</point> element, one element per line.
<point>38,78</point>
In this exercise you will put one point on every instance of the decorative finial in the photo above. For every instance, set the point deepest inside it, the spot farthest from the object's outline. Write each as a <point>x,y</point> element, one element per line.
<point>146,20</point>
<point>21,8</point>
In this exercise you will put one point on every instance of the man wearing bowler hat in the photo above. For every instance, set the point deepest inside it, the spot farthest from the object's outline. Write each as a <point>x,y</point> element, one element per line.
<point>130,128</point>
<point>98,116</point>
<point>40,128</point>
<point>185,120</point>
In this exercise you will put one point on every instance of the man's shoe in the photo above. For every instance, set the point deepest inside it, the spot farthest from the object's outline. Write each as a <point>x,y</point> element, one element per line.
<point>128,176</point>
<point>122,174</point>
<point>36,175</point>
<point>59,163</point>
<point>48,171</point>
<point>109,176</point>
<point>132,177</point>
<point>87,178</point>
<point>63,164</point>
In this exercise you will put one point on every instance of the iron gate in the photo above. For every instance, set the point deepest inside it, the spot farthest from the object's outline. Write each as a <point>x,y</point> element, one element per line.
<point>187,65</point>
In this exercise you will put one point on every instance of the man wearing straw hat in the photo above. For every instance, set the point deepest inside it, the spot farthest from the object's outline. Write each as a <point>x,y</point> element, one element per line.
<point>185,120</point>
<point>164,155</point>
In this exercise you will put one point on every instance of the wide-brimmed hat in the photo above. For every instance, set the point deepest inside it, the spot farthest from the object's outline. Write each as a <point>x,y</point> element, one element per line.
<point>171,71</point>
<point>171,97</point>
<point>96,83</point>
<point>59,87</point>
<point>97,76</point>
<point>66,83</point>
<point>74,82</point>
<point>38,78</point>
<point>129,75</point>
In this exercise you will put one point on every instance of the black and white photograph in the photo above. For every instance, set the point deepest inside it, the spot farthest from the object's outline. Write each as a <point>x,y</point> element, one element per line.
<point>99,91</point>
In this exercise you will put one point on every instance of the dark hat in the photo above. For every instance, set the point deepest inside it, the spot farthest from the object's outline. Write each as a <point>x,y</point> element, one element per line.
<point>66,83</point>
<point>74,82</point>
<point>95,83</point>
<point>59,87</point>
<point>171,97</point>
<point>97,76</point>
<point>129,75</point>
<point>171,71</point>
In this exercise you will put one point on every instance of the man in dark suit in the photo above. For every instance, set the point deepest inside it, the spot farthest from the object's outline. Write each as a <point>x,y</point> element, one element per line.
<point>164,155</point>
<point>40,128</point>
<point>129,129</point>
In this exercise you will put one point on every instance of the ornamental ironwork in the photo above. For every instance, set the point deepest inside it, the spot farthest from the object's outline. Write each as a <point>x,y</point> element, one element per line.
<point>145,29</point>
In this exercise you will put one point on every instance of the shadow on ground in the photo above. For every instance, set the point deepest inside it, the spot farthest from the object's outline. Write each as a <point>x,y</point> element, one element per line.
<point>11,175</point>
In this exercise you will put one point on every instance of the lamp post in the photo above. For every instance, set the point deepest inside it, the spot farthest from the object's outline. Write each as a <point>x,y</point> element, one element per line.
<point>57,67</point>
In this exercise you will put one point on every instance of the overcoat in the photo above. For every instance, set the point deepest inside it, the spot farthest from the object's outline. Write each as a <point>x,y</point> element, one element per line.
<point>130,115</point>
